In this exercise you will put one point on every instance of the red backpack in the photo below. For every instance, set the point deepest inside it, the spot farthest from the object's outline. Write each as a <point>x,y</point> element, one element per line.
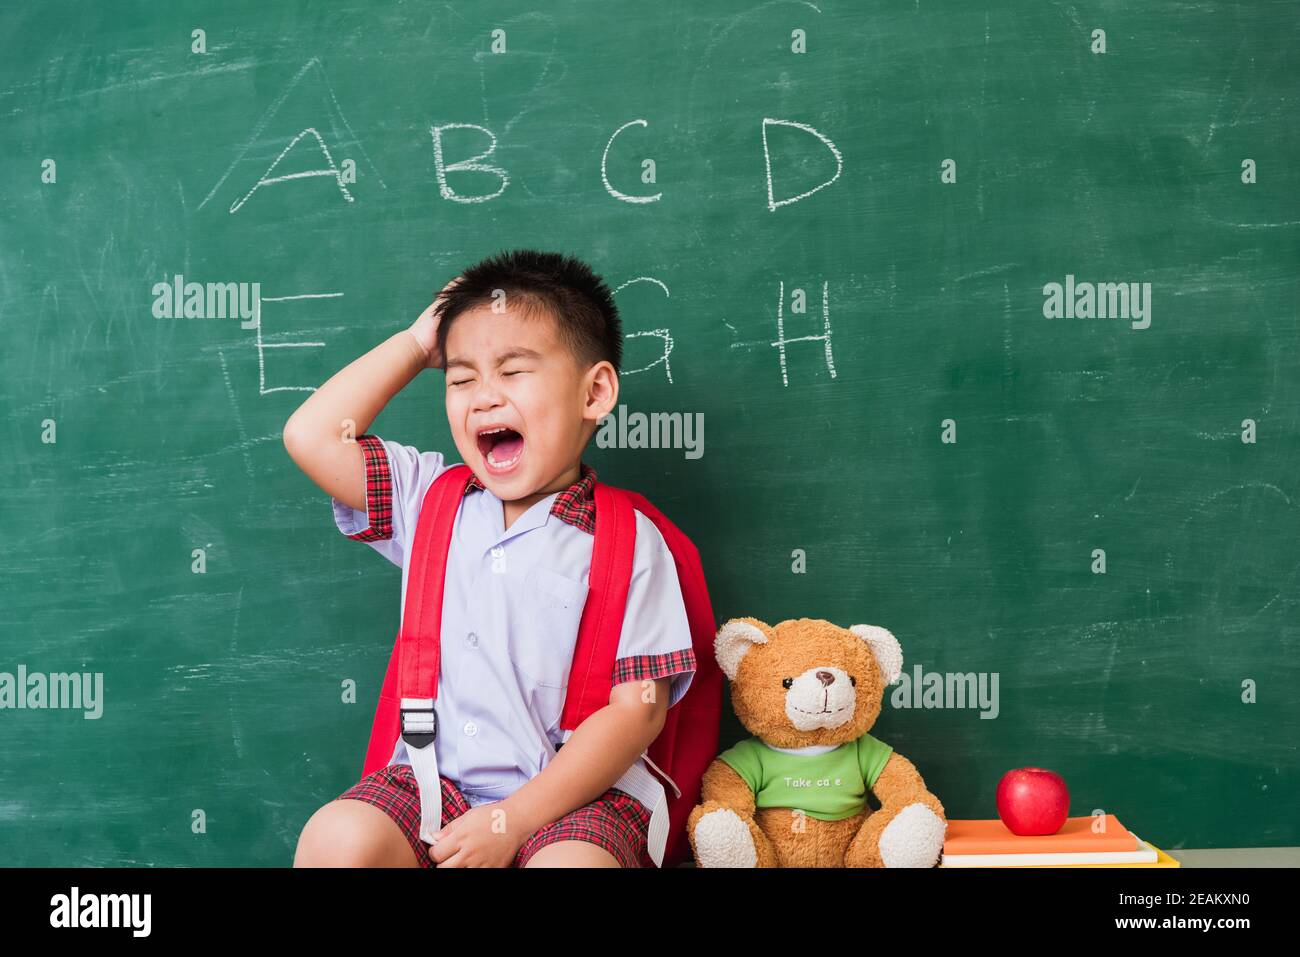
<point>689,739</point>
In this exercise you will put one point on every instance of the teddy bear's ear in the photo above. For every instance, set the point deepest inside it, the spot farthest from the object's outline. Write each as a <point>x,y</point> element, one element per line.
<point>734,639</point>
<point>888,652</point>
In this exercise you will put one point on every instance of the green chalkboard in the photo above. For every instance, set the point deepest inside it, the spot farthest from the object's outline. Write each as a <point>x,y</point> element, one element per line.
<point>831,228</point>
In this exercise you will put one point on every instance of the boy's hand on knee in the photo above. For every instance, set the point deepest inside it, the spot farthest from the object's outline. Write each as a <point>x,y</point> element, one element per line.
<point>483,836</point>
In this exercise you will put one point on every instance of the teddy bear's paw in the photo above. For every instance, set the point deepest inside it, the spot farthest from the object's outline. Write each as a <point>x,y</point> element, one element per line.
<point>914,838</point>
<point>722,839</point>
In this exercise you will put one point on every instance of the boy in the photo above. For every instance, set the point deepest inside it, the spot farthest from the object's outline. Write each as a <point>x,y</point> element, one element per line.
<point>531,345</point>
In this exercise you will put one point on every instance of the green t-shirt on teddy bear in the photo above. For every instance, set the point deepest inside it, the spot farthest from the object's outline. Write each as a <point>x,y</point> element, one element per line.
<point>829,786</point>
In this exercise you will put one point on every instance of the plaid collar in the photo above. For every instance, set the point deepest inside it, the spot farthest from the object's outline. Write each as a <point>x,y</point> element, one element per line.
<point>575,505</point>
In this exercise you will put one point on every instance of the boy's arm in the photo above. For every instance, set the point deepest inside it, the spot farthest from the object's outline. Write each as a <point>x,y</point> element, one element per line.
<point>348,403</point>
<point>596,755</point>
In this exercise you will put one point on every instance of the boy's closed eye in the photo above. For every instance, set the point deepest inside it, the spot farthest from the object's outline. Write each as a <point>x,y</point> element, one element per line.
<point>511,372</point>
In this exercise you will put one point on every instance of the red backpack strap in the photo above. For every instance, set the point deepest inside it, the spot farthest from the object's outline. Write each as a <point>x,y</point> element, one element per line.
<point>688,743</point>
<point>413,663</point>
<point>695,591</point>
<point>591,676</point>
<point>419,650</point>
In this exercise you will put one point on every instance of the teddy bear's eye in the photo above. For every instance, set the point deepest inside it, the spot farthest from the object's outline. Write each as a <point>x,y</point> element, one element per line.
<point>787,682</point>
<point>853,681</point>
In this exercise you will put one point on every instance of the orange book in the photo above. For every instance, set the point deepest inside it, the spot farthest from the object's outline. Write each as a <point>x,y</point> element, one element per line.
<point>1076,836</point>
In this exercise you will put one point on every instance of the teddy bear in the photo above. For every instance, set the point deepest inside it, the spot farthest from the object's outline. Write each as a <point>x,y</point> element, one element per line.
<point>794,794</point>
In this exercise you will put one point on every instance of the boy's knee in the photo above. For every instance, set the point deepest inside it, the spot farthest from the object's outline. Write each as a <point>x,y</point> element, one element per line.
<point>347,833</point>
<point>572,853</point>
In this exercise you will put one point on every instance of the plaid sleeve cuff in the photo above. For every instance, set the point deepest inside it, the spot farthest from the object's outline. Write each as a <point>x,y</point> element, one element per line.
<point>379,492</point>
<point>643,667</point>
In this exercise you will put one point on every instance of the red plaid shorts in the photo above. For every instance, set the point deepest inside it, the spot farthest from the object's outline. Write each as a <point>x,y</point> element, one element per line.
<point>615,821</point>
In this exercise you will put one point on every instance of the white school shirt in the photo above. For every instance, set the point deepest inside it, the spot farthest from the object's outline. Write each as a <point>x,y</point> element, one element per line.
<point>512,603</point>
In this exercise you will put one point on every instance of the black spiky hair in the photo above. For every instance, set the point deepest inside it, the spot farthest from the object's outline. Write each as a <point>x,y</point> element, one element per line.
<point>563,286</point>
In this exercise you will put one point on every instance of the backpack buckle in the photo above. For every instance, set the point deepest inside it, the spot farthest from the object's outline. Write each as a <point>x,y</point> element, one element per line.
<point>419,722</point>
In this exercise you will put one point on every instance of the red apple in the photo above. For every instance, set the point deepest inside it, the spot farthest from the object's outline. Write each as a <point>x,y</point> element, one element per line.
<point>1033,801</point>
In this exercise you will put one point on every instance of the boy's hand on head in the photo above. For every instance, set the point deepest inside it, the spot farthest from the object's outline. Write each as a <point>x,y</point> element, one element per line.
<point>483,836</point>
<point>425,329</point>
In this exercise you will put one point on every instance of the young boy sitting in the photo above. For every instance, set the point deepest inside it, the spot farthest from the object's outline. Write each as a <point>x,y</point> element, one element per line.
<point>532,345</point>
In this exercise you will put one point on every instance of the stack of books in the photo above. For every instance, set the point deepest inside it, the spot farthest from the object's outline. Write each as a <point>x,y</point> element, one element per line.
<point>1081,842</point>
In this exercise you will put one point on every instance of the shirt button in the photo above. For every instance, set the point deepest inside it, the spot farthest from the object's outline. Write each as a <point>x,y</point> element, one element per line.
<point>471,728</point>
<point>472,639</point>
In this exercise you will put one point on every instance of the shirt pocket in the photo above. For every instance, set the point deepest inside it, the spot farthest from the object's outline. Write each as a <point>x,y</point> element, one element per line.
<point>548,631</point>
<point>542,642</point>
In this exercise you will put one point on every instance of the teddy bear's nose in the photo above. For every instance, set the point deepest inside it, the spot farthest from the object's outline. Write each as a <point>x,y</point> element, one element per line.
<point>826,678</point>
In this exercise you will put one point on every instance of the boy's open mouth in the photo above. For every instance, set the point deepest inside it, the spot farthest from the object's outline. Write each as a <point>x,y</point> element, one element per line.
<point>501,447</point>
